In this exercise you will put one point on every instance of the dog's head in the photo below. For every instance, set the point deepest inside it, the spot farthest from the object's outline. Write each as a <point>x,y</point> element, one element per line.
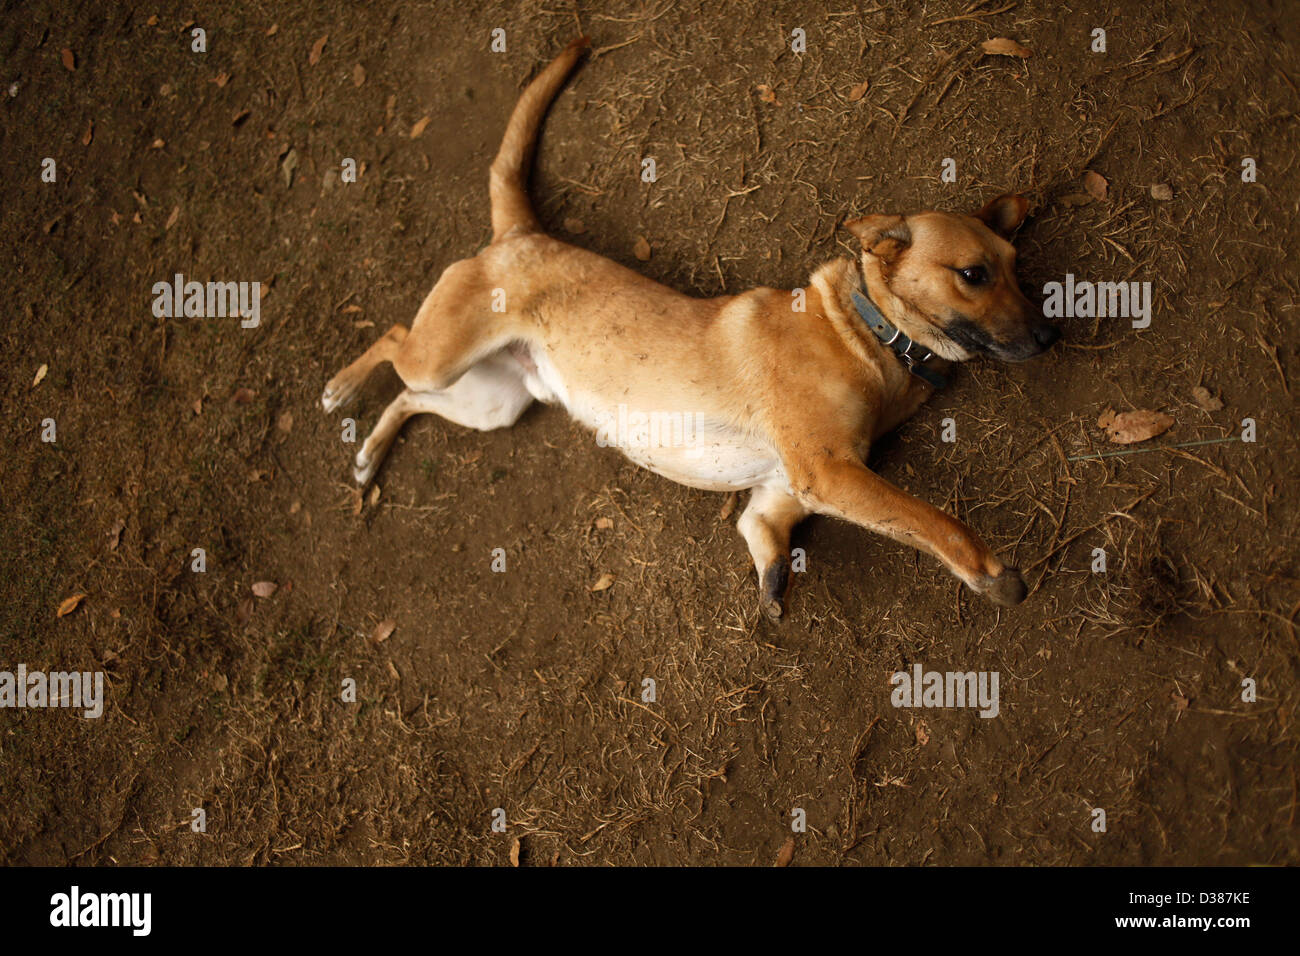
<point>949,281</point>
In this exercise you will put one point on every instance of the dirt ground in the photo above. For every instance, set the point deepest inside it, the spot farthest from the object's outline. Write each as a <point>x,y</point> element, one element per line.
<point>522,690</point>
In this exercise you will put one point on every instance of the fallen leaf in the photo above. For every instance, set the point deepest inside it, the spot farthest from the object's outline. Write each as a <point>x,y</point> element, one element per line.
<point>40,375</point>
<point>317,49</point>
<point>603,583</point>
<point>69,59</point>
<point>115,534</point>
<point>1096,185</point>
<point>642,249</point>
<point>264,589</point>
<point>420,126</point>
<point>786,853</point>
<point>240,117</point>
<point>243,396</point>
<point>604,524</point>
<point>514,852</point>
<point>1128,428</point>
<point>1161,191</point>
<point>358,501</point>
<point>221,79</point>
<point>1180,702</point>
<point>198,405</point>
<point>374,496</point>
<point>275,28</point>
<point>352,308</point>
<point>922,733</point>
<point>1206,399</point>
<point>69,605</point>
<point>574,226</point>
<point>383,631</point>
<point>358,75</point>
<point>1003,46</point>
<point>171,220</point>
<point>89,134</point>
<point>244,611</point>
<point>285,422</point>
<point>859,91</point>
<point>152,21</point>
<point>158,144</point>
<point>287,167</point>
<point>767,94</point>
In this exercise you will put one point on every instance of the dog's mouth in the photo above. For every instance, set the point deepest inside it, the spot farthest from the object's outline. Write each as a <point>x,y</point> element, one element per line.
<point>977,340</point>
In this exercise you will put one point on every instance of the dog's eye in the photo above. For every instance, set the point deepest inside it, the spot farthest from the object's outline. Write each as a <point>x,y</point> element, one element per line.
<point>975,275</point>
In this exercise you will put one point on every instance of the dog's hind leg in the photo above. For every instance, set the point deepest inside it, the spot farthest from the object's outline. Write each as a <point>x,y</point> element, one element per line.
<point>490,395</point>
<point>343,387</point>
<point>766,524</point>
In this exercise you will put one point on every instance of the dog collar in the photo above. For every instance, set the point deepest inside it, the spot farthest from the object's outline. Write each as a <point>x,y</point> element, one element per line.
<point>896,340</point>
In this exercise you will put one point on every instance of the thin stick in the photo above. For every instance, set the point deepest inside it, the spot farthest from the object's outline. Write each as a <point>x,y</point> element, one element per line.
<point>1138,451</point>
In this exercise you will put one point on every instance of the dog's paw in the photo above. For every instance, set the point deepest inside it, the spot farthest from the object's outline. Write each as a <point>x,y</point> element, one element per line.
<point>365,468</point>
<point>1007,589</point>
<point>336,395</point>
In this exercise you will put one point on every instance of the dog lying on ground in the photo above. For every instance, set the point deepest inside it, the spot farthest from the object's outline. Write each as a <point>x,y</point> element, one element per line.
<point>783,402</point>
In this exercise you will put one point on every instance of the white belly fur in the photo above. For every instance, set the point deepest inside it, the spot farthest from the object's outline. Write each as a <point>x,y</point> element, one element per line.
<point>715,458</point>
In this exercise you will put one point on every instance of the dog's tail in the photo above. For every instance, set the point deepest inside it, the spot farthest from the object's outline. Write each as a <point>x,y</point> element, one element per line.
<point>508,182</point>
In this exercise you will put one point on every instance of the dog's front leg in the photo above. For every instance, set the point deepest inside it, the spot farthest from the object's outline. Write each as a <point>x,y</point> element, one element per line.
<point>765,525</point>
<point>847,489</point>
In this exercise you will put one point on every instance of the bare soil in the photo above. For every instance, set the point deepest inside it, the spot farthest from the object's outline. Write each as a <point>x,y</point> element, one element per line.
<point>522,690</point>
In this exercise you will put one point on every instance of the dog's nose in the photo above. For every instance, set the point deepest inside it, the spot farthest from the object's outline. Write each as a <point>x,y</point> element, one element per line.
<point>1045,334</point>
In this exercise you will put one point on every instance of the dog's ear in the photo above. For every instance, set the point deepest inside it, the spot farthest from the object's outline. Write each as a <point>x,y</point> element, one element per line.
<point>884,237</point>
<point>1004,214</point>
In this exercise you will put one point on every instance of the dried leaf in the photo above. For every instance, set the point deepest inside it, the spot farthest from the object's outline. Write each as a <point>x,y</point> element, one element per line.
<point>89,134</point>
<point>275,28</point>
<point>859,91</point>
<point>285,422</point>
<point>786,853</point>
<point>922,733</point>
<point>158,144</point>
<point>420,126</point>
<point>1096,185</point>
<point>514,852</point>
<point>642,249</point>
<point>243,396</point>
<point>358,501</point>
<point>171,220</point>
<point>40,375</point>
<point>1128,428</point>
<point>264,589</point>
<point>603,583</point>
<point>69,605</point>
<point>317,49</point>
<point>1003,46</point>
<point>1162,192</point>
<point>767,94</point>
<point>240,117</point>
<point>115,534</point>
<point>1206,399</point>
<point>358,75</point>
<point>374,496</point>
<point>383,631</point>
<point>69,59</point>
<point>244,612</point>
<point>221,79</point>
<point>287,167</point>
<point>604,524</point>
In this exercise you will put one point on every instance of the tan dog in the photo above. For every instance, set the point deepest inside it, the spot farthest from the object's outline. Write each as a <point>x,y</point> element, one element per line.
<point>781,401</point>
